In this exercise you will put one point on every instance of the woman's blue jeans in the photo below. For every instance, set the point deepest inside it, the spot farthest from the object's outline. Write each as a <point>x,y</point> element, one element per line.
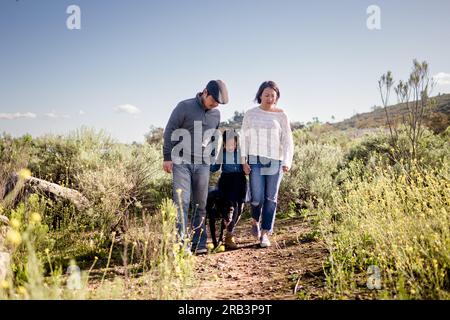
<point>265,179</point>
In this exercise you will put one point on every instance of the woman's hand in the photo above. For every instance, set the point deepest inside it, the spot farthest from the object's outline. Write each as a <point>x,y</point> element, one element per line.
<point>167,166</point>
<point>285,169</point>
<point>246,168</point>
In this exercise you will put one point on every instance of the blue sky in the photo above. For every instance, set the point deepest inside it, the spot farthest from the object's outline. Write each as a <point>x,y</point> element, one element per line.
<point>133,61</point>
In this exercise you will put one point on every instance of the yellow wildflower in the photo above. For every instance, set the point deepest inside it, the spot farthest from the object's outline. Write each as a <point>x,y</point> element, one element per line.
<point>435,263</point>
<point>35,218</point>
<point>21,290</point>
<point>4,284</point>
<point>14,237</point>
<point>15,223</point>
<point>24,173</point>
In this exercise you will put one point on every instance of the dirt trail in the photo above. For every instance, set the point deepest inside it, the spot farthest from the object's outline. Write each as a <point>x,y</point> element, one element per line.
<point>253,273</point>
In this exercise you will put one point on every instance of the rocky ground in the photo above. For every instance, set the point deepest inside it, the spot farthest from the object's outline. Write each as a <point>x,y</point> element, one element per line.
<point>290,269</point>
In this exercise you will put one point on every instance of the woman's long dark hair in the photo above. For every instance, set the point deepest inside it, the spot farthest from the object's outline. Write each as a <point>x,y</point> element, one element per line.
<point>264,85</point>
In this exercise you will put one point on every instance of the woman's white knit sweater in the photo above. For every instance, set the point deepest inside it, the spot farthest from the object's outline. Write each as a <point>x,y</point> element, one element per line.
<point>267,134</point>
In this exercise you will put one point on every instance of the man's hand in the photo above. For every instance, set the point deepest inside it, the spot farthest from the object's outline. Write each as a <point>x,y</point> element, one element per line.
<point>167,166</point>
<point>285,169</point>
<point>246,168</point>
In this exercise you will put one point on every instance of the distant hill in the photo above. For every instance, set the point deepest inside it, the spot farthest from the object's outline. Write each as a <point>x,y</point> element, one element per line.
<point>438,120</point>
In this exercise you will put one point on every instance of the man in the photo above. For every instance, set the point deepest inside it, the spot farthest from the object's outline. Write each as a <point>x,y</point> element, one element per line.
<point>187,139</point>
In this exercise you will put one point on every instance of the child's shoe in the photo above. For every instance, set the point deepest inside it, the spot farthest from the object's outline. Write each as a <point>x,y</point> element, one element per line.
<point>230,242</point>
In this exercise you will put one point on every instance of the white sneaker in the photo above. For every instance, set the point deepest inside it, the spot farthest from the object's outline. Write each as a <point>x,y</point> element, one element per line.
<point>265,242</point>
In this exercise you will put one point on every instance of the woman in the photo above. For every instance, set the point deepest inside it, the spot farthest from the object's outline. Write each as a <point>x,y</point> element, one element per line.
<point>267,149</point>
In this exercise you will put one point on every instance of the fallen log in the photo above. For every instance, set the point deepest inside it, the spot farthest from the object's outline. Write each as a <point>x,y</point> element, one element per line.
<point>4,220</point>
<point>5,256</point>
<point>5,261</point>
<point>36,185</point>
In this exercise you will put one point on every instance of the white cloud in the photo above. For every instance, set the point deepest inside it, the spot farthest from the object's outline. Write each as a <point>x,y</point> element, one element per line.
<point>127,108</point>
<point>53,115</point>
<point>17,115</point>
<point>82,112</point>
<point>442,78</point>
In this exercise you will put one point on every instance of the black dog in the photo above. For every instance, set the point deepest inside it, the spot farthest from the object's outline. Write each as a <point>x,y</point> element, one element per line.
<point>218,208</point>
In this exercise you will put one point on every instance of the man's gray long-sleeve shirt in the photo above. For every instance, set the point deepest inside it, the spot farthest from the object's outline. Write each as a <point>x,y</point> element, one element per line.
<point>192,116</point>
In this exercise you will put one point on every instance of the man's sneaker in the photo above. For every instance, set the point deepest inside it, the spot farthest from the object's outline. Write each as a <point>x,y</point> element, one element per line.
<point>230,242</point>
<point>201,251</point>
<point>265,242</point>
<point>256,232</point>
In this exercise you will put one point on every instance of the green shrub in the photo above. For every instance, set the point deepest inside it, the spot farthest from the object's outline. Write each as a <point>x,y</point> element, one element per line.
<point>398,222</point>
<point>130,183</point>
<point>59,158</point>
<point>14,156</point>
<point>311,176</point>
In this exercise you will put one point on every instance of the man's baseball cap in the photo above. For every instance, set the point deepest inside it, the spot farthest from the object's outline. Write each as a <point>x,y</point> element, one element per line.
<point>218,90</point>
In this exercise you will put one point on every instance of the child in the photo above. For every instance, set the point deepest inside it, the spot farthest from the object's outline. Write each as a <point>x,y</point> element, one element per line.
<point>232,182</point>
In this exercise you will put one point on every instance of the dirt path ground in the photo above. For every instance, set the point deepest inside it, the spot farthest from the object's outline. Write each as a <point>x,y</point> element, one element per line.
<point>292,263</point>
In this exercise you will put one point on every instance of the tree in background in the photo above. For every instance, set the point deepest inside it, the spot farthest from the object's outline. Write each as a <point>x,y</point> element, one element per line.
<point>235,122</point>
<point>414,94</point>
<point>155,135</point>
